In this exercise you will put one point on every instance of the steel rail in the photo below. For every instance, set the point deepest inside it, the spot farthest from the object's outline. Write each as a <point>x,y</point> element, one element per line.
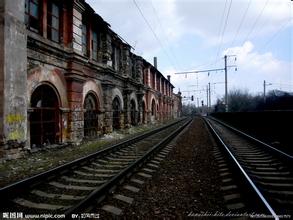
<point>19,186</point>
<point>106,187</point>
<point>281,153</point>
<point>248,179</point>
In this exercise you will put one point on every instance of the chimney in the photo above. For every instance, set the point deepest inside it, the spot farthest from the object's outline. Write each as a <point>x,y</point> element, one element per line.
<point>169,78</point>
<point>155,62</point>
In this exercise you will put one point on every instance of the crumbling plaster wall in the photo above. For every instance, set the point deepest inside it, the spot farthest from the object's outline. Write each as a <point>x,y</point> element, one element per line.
<point>12,78</point>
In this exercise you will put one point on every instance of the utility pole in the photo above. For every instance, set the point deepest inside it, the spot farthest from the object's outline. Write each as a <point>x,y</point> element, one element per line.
<point>226,85</point>
<point>210,97</point>
<point>207,99</point>
<point>264,90</point>
<point>215,70</point>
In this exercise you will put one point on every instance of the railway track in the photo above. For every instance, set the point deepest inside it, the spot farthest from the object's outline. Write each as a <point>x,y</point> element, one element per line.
<point>265,171</point>
<point>75,186</point>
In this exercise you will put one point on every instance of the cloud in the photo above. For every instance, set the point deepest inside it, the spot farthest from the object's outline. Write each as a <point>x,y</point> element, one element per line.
<point>254,67</point>
<point>177,18</point>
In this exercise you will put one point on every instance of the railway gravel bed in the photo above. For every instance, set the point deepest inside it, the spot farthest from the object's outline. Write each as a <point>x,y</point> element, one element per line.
<point>48,158</point>
<point>186,183</point>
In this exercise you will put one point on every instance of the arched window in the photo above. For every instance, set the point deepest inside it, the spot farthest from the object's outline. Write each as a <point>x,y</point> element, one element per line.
<point>90,116</point>
<point>116,108</point>
<point>132,113</point>
<point>44,118</point>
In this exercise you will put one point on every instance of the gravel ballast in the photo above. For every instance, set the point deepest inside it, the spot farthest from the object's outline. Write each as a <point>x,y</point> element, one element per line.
<point>187,182</point>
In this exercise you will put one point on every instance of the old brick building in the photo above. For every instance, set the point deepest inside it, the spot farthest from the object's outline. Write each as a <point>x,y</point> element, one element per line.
<point>66,76</point>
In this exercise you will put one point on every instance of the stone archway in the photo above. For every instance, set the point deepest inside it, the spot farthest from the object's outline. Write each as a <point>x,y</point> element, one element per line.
<point>116,115</point>
<point>45,116</point>
<point>133,115</point>
<point>91,123</point>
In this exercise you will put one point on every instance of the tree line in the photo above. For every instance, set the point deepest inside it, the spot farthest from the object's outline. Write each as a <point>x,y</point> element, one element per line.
<point>243,101</point>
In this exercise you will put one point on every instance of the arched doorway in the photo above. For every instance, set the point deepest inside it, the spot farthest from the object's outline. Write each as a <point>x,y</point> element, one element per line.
<point>116,108</point>
<point>90,116</point>
<point>45,116</point>
<point>132,112</point>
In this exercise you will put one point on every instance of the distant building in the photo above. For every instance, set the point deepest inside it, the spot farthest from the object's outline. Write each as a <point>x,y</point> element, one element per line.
<point>66,76</point>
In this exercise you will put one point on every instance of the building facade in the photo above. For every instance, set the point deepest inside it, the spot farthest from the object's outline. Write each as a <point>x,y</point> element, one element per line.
<point>65,76</point>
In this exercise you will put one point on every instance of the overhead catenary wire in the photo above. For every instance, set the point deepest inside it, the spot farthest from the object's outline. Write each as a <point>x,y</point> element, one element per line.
<point>219,31</point>
<point>154,33</point>
<point>241,22</point>
<point>224,29</point>
<point>255,22</point>
<point>165,34</point>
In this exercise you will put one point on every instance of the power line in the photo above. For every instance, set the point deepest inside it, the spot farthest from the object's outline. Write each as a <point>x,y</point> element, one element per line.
<point>241,23</point>
<point>165,34</point>
<point>219,32</point>
<point>255,22</point>
<point>153,32</point>
<point>224,29</point>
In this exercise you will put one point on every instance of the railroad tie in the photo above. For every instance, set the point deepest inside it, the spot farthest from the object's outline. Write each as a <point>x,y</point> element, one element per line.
<point>131,188</point>
<point>33,205</point>
<point>112,209</point>
<point>144,175</point>
<point>123,198</point>
<point>134,180</point>
<point>56,196</point>
<point>73,187</point>
<point>152,165</point>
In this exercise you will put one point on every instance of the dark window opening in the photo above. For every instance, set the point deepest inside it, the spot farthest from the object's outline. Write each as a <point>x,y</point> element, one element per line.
<point>53,22</point>
<point>116,57</point>
<point>84,40</point>
<point>133,113</point>
<point>44,118</point>
<point>153,107</point>
<point>116,113</point>
<point>143,112</point>
<point>133,69</point>
<point>90,116</point>
<point>95,43</point>
<point>32,15</point>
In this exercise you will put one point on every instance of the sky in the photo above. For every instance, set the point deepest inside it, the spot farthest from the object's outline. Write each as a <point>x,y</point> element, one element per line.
<point>195,35</point>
